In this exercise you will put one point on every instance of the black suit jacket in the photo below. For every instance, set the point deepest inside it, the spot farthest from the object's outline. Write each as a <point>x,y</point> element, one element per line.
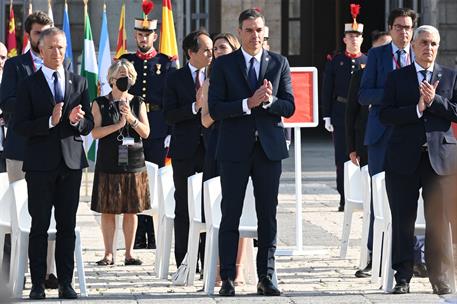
<point>15,70</point>
<point>177,106</point>
<point>434,127</point>
<point>356,115</point>
<point>229,86</point>
<point>46,147</point>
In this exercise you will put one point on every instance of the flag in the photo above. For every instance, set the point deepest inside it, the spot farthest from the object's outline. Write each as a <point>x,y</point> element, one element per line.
<point>168,45</point>
<point>66,29</point>
<point>121,47</point>
<point>25,39</point>
<point>89,70</point>
<point>104,57</point>
<point>50,14</point>
<point>11,38</point>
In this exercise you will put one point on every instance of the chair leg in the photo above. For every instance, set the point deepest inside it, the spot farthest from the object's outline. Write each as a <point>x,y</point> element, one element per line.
<point>159,245</point>
<point>165,262</point>
<point>211,263</point>
<point>13,262</point>
<point>192,252</point>
<point>250,263</point>
<point>387,271</point>
<point>80,265</point>
<point>2,245</point>
<point>376,255</point>
<point>207,256</point>
<point>348,210</point>
<point>50,258</point>
<point>18,285</point>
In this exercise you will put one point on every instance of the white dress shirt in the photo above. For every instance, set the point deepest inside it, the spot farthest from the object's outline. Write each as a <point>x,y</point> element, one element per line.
<point>37,61</point>
<point>405,57</point>
<point>247,59</point>
<point>420,78</point>
<point>49,76</point>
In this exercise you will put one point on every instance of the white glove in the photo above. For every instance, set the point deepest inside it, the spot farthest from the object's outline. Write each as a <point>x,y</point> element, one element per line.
<point>328,124</point>
<point>166,142</point>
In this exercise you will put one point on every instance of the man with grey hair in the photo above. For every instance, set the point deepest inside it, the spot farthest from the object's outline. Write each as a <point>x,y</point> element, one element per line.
<point>420,102</point>
<point>53,111</point>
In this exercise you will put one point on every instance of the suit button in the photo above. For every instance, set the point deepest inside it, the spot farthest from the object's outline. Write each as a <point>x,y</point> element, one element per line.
<point>144,81</point>
<point>145,67</point>
<point>144,74</point>
<point>144,95</point>
<point>144,89</point>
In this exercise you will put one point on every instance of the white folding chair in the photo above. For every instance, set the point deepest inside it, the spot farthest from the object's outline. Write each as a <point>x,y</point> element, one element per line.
<point>196,226</point>
<point>380,224</point>
<point>353,201</point>
<point>366,196</point>
<point>152,180</point>
<point>166,202</point>
<point>21,222</point>
<point>248,229</point>
<point>6,201</point>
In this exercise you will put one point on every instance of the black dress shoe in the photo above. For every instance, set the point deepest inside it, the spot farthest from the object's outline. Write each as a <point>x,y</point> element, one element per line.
<point>265,287</point>
<point>37,292</point>
<point>140,246</point>
<point>401,287</point>
<point>227,288</point>
<point>364,273</point>
<point>51,282</point>
<point>67,292</point>
<point>420,270</point>
<point>441,288</point>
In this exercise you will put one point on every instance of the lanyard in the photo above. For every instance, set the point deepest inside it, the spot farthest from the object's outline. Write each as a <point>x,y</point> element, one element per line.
<point>397,64</point>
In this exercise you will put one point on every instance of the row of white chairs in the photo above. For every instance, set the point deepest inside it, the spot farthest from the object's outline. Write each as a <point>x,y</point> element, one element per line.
<point>15,219</point>
<point>358,187</point>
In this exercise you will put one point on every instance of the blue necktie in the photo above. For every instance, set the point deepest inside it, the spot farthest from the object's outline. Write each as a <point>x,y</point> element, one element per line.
<point>399,53</point>
<point>58,95</point>
<point>252,76</point>
<point>424,75</point>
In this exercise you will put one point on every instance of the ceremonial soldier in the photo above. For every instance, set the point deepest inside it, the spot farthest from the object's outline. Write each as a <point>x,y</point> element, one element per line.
<point>337,76</point>
<point>152,69</point>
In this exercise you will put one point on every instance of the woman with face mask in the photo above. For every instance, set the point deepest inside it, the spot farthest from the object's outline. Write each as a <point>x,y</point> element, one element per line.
<point>120,179</point>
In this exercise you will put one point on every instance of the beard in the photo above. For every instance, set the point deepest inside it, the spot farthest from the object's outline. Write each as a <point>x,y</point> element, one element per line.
<point>144,49</point>
<point>34,48</point>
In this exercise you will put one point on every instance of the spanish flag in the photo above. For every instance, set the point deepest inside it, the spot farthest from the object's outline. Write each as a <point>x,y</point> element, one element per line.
<point>11,39</point>
<point>168,44</point>
<point>121,47</point>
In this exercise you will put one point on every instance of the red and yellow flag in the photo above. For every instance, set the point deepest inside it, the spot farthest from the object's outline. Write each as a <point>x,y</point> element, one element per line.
<point>168,45</point>
<point>121,47</point>
<point>11,39</point>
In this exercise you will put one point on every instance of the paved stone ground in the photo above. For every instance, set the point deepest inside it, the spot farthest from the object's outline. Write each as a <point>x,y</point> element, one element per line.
<point>318,276</point>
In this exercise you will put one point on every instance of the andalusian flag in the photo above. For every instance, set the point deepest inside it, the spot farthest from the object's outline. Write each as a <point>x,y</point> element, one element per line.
<point>104,57</point>
<point>25,39</point>
<point>89,70</point>
<point>168,45</point>
<point>121,47</point>
<point>66,29</point>
<point>11,38</point>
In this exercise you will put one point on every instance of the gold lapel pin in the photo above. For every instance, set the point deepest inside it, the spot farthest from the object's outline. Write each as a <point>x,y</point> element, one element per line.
<point>158,66</point>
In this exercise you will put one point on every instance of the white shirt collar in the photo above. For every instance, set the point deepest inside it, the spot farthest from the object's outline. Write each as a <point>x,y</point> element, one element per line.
<point>247,56</point>
<point>193,69</point>
<point>49,73</point>
<point>396,48</point>
<point>419,68</point>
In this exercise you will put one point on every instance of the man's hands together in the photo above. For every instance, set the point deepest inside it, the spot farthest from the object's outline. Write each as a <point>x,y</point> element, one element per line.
<point>261,95</point>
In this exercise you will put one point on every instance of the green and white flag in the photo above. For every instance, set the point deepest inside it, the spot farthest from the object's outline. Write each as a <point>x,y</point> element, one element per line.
<point>89,70</point>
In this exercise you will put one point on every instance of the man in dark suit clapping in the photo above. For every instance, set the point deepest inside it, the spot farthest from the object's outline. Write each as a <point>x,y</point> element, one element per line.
<point>420,102</point>
<point>52,112</point>
<point>250,91</point>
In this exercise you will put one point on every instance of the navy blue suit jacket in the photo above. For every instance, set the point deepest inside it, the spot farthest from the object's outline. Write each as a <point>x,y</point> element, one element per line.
<point>411,132</point>
<point>187,129</point>
<point>15,70</point>
<point>229,86</point>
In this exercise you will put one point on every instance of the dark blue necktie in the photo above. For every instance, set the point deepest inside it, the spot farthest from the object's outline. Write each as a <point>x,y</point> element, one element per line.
<point>424,75</point>
<point>252,76</point>
<point>58,95</point>
<point>399,53</point>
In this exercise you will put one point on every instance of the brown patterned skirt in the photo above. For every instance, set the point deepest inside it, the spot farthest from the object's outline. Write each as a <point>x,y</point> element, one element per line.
<point>117,193</point>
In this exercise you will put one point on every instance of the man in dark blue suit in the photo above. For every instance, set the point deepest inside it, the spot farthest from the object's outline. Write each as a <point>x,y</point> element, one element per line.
<point>182,112</point>
<point>420,102</point>
<point>381,61</point>
<point>250,91</point>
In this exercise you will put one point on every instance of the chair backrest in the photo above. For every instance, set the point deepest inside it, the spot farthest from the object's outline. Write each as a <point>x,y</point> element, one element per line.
<point>166,191</point>
<point>385,202</point>
<point>152,180</point>
<point>420,218</point>
<point>194,196</point>
<point>249,214</point>
<point>378,186</point>
<point>6,200</point>
<point>20,217</point>
<point>366,185</point>
<point>352,182</point>
<point>212,196</point>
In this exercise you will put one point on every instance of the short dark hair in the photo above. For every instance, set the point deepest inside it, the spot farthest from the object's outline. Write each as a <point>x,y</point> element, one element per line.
<point>375,35</point>
<point>39,17</point>
<point>250,13</point>
<point>190,42</point>
<point>402,12</point>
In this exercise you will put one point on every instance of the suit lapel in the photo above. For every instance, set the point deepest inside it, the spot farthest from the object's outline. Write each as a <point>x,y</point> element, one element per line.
<point>437,73</point>
<point>388,65</point>
<point>188,79</point>
<point>68,90</point>
<point>45,87</point>
<point>265,59</point>
<point>412,74</point>
<point>28,64</point>
<point>242,65</point>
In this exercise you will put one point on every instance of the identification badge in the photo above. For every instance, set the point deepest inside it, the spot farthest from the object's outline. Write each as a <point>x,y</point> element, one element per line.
<point>123,155</point>
<point>128,141</point>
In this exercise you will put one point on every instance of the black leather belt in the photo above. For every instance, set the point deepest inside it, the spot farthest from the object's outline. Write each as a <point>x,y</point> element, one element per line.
<point>150,107</point>
<point>341,99</point>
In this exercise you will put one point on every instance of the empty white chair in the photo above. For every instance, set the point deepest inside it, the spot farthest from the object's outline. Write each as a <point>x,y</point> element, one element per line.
<point>21,222</point>
<point>353,201</point>
<point>6,200</point>
<point>166,202</point>
<point>196,226</point>
<point>247,228</point>
<point>380,223</point>
<point>366,197</point>
<point>152,180</point>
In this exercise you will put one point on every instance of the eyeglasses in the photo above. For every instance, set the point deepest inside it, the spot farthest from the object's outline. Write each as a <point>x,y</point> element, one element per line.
<point>399,27</point>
